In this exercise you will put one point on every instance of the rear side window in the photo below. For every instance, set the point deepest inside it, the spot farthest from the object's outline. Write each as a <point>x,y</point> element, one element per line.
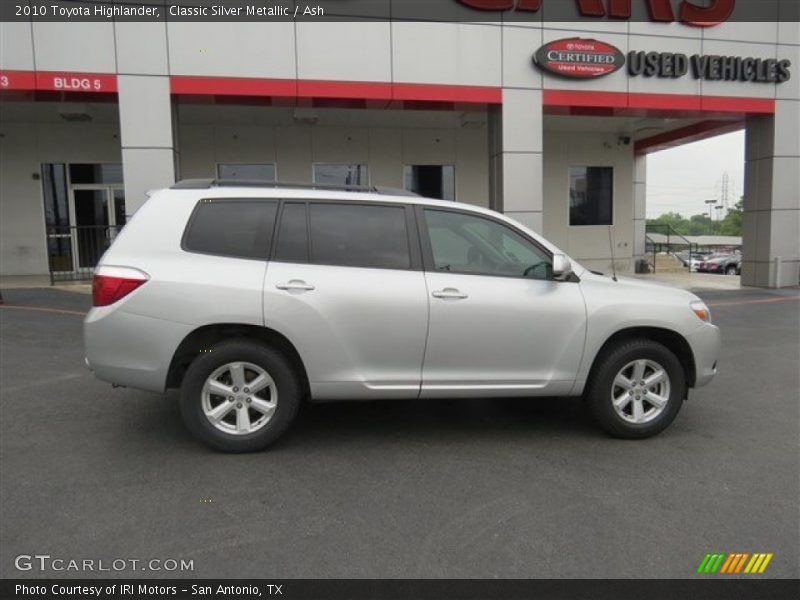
<point>292,243</point>
<point>238,228</point>
<point>353,235</point>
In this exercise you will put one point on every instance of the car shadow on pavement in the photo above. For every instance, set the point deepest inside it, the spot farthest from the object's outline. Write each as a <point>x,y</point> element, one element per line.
<point>431,421</point>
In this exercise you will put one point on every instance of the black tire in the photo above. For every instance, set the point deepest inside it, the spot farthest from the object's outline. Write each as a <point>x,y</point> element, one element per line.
<point>731,270</point>
<point>599,388</point>
<point>273,362</point>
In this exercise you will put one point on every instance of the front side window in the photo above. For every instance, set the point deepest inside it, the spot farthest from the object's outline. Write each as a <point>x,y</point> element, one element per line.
<point>246,172</point>
<point>341,174</point>
<point>238,228</point>
<point>431,181</point>
<point>591,196</point>
<point>354,235</point>
<point>464,243</point>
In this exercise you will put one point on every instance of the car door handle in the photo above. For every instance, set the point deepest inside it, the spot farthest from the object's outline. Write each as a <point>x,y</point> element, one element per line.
<point>450,294</point>
<point>295,285</point>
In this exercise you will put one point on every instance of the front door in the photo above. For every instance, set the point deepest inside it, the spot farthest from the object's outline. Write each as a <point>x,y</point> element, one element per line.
<point>97,212</point>
<point>499,324</point>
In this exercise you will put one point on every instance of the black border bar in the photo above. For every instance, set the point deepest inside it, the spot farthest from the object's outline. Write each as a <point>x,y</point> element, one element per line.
<point>457,11</point>
<point>707,588</point>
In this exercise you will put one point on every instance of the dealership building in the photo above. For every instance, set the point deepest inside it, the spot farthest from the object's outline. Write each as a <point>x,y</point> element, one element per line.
<point>548,121</point>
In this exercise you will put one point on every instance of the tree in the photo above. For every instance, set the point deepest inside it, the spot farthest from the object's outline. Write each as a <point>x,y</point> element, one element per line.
<point>670,221</point>
<point>701,224</point>
<point>732,223</point>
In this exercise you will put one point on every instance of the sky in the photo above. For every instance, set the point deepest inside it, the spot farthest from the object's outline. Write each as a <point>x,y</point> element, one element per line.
<point>682,178</point>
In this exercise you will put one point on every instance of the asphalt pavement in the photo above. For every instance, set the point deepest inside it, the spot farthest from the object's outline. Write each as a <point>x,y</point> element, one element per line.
<point>509,488</point>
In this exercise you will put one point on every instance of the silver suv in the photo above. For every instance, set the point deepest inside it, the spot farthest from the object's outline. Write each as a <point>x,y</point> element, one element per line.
<point>253,298</point>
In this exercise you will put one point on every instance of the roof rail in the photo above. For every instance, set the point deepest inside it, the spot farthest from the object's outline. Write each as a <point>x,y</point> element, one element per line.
<point>203,184</point>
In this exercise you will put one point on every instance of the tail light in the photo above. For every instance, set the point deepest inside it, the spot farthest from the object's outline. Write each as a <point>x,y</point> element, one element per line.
<point>111,284</point>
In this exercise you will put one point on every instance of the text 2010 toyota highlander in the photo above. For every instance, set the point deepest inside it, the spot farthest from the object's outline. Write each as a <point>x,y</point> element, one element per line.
<point>253,298</point>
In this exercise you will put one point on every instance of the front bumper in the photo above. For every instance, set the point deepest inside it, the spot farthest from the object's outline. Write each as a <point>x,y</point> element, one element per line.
<point>706,342</point>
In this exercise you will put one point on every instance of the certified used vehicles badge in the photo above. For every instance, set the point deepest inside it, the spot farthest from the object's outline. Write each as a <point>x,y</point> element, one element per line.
<point>579,58</point>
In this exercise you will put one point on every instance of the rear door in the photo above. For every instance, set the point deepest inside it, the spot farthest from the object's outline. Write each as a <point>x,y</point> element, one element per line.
<point>500,325</point>
<point>345,285</point>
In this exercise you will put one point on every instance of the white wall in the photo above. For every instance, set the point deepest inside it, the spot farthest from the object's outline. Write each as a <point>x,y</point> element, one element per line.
<point>589,245</point>
<point>385,149</point>
<point>24,147</point>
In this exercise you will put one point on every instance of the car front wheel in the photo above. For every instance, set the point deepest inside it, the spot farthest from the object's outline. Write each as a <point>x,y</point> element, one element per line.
<point>240,396</point>
<point>731,270</point>
<point>636,389</point>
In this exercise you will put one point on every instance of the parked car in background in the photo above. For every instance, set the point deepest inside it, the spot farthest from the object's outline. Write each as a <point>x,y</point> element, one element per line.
<point>692,260</point>
<point>723,264</point>
<point>252,299</point>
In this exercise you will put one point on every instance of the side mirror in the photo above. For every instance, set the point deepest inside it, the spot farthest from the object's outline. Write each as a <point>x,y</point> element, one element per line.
<point>562,268</point>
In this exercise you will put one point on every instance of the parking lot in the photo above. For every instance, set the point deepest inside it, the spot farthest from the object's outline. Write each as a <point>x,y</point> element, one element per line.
<point>512,488</point>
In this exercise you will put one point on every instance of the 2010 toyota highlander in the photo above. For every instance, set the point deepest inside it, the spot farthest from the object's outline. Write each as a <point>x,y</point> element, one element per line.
<point>252,298</point>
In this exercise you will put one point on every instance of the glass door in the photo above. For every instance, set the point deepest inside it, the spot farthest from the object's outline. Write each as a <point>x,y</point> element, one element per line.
<point>97,212</point>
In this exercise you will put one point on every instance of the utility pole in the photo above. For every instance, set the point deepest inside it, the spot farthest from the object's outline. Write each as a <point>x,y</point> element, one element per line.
<point>711,203</point>
<point>726,181</point>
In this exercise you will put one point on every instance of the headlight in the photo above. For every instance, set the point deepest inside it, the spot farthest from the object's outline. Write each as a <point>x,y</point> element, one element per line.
<point>701,310</point>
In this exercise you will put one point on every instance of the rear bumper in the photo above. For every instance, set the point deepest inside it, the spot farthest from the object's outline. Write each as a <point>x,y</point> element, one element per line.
<point>129,349</point>
<point>705,342</point>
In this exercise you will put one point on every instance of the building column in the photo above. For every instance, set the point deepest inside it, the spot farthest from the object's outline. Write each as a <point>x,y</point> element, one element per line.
<point>639,208</point>
<point>149,149</point>
<point>772,203</point>
<point>515,155</point>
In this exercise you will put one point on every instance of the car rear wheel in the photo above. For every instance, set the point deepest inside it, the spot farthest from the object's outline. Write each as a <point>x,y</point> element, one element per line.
<point>636,390</point>
<point>731,270</point>
<point>240,396</point>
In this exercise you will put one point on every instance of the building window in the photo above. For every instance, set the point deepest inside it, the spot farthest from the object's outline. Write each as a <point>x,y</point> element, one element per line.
<point>56,202</point>
<point>246,172</point>
<point>431,181</point>
<point>340,174</point>
<point>95,173</point>
<point>56,216</point>
<point>591,196</point>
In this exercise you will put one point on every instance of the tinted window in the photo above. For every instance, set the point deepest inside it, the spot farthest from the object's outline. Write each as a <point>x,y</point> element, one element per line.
<point>359,236</point>
<point>591,195</point>
<point>241,228</point>
<point>292,243</point>
<point>463,243</point>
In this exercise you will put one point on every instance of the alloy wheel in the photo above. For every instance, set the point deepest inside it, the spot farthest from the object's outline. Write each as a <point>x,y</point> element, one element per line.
<point>239,398</point>
<point>640,391</point>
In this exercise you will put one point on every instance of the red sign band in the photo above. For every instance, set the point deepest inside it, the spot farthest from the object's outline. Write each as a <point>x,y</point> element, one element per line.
<point>56,81</point>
